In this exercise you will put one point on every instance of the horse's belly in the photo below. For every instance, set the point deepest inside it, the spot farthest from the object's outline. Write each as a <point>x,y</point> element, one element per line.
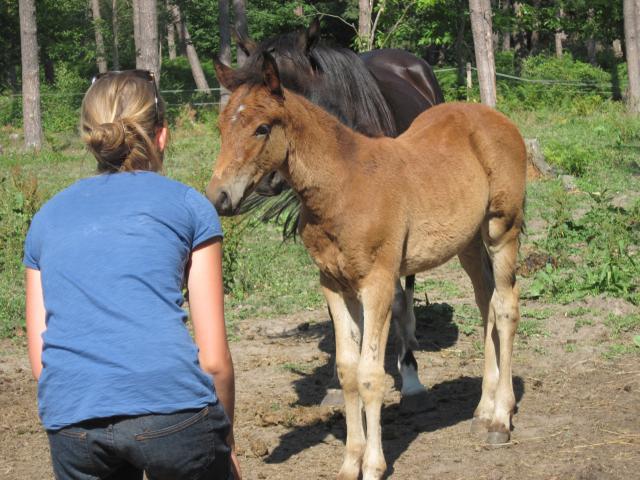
<point>429,245</point>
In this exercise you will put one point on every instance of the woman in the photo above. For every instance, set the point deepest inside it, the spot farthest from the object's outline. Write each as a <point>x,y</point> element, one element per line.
<point>122,388</point>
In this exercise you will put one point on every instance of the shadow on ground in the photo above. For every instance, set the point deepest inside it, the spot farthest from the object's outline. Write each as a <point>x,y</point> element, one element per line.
<point>455,400</point>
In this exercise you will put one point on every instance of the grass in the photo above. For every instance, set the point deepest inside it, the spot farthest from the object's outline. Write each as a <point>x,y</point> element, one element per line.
<point>595,244</point>
<point>270,277</point>
<point>531,327</point>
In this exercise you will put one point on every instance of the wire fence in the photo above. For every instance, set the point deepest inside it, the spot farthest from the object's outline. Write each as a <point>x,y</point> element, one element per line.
<point>59,109</point>
<point>217,90</point>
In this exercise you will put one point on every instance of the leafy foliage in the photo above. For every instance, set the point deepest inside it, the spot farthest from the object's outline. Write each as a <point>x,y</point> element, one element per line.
<point>19,201</point>
<point>596,253</point>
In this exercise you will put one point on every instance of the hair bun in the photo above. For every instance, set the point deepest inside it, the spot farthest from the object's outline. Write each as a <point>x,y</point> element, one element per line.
<point>108,143</point>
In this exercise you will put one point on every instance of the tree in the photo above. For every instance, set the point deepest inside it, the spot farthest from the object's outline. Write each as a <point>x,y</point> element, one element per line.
<point>31,116</point>
<point>481,27</point>
<point>225,44</point>
<point>559,36</point>
<point>101,61</point>
<point>240,17</point>
<point>171,31</point>
<point>192,55</point>
<point>364,23</point>
<point>146,24</point>
<point>114,26</point>
<point>631,34</point>
<point>506,33</point>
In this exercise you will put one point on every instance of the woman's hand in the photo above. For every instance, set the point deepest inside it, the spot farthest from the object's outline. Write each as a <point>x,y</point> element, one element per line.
<point>235,466</point>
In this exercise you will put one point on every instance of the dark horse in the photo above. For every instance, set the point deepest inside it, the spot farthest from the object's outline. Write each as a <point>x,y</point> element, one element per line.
<point>377,93</point>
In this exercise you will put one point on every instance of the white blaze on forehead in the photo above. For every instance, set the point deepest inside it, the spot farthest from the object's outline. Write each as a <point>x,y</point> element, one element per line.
<point>235,115</point>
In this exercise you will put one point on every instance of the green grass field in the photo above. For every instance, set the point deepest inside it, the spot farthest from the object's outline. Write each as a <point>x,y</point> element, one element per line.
<point>593,242</point>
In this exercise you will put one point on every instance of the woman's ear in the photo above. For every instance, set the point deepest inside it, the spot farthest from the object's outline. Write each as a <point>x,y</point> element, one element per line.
<point>162,133</point>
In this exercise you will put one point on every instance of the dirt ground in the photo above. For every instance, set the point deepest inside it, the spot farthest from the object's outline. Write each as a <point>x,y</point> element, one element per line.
<point>578,411</point>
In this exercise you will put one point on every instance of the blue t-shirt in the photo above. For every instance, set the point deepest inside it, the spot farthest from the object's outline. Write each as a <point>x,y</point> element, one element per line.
<point>112,252</point>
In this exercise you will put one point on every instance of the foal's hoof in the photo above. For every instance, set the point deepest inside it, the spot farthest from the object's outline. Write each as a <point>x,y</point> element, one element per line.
<point>333,398</point>
<point>419,402</point>
<point>498,438</point>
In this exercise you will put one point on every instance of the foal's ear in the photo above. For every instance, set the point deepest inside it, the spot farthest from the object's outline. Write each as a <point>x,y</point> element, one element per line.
<point>224,74</point>
<point>246,44</point>
<point>270,75</point>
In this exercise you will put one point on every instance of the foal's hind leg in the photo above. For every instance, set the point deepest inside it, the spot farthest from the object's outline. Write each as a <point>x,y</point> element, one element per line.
<point>502,244</point>
<point>475,261</point>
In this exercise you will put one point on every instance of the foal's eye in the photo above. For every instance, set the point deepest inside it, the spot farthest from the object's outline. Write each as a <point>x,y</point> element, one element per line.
<point>263,130</point>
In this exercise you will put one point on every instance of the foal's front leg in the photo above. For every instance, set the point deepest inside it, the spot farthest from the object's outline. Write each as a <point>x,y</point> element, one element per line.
<point>377,296</point>
<point>346,315</point>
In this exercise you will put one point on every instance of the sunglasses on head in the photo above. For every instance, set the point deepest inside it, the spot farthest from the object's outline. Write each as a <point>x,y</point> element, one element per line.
<point>143,74</point>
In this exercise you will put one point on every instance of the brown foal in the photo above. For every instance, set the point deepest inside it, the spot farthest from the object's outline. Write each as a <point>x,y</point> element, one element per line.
<point>374,210</point>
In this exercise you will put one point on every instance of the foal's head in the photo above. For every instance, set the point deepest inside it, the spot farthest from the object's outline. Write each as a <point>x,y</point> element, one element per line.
<point>252,133</point>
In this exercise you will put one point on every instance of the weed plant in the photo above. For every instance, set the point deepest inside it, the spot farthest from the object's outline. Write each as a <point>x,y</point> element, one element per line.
<point>596,253</point>
<point>20,199</point>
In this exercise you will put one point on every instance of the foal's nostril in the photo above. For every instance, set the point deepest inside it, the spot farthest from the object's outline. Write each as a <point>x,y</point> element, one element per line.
<point>223,202</point>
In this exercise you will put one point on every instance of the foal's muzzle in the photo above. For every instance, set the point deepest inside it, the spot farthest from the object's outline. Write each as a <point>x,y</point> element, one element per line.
<point>222,202</point>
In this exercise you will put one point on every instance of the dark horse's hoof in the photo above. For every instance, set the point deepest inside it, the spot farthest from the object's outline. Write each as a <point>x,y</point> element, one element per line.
<point>420,402</point>
<point>333,398</point>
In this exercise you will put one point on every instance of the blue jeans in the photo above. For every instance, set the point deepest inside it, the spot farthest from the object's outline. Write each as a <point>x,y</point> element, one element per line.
<point>185,445</point>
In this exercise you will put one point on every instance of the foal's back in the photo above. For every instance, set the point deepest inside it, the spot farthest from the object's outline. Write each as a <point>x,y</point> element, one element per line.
<point>459,164</point>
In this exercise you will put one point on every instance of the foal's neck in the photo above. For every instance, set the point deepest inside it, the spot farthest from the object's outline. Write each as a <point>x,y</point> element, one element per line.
<point>320,150</point>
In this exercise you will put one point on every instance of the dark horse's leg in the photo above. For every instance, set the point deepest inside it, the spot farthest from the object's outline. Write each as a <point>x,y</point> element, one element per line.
<point>414,393</point>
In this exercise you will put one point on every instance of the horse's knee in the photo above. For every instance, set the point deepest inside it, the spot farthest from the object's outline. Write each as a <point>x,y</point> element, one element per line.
<point>348,375</point>
<point>371,384</point>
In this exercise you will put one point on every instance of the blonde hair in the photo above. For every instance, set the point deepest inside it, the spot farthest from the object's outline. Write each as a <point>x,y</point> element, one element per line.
<point>119,121</point>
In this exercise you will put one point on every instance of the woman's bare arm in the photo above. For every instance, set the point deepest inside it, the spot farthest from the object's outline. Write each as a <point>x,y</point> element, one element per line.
<point>35,319</point>
<point>206,304</point>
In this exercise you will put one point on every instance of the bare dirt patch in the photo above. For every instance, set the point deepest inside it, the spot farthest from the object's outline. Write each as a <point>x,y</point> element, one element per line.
<point>578,410</point>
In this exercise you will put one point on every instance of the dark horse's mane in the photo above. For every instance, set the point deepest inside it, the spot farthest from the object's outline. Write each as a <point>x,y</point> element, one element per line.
<point>341,84</point>
<point>333,78</point>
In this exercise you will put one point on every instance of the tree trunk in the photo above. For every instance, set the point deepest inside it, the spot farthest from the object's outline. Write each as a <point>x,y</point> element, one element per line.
<point>559,36</point>
<point>101,61</point>
<point>481,26</point>
<point>192,55</point>
<point>225,45</point>
<point>31,117</point>
<point>135,7</point>
<point>171,32</point>
<point>535,33</point>
<point>364,24</point>
<point>591,42</point>
<point>114,25</point>
<point>631,24</point>
<point>506,34</point>
<point>240,13</point>
<point>49,67</point>
<point>459,43</point>
<point>147,53</point>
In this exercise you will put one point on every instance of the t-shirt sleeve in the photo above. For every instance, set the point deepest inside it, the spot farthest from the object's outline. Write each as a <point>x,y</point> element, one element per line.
<point>206,223</point>
<point>32,246</point>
